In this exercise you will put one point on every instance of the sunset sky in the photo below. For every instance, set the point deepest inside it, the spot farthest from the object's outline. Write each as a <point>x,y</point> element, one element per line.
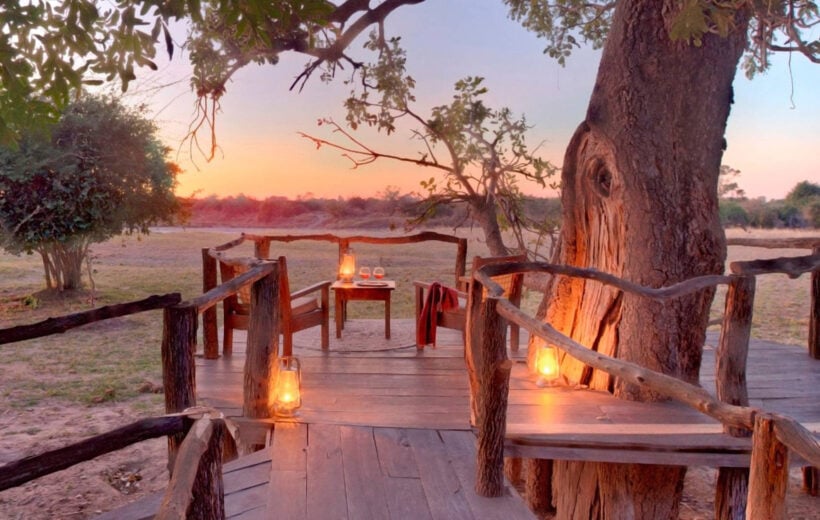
<point>773,134</point>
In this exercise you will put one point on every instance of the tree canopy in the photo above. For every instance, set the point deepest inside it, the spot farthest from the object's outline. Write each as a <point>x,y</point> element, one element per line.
<point>774,26</point>
<point>50,48</point>
<point>100,171</point>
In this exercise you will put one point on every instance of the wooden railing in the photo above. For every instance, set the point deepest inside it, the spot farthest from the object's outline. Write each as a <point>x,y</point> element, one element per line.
<point>811,243</point>
<point>774,434</point>
<point>262,251</point>
<point>197,438</point>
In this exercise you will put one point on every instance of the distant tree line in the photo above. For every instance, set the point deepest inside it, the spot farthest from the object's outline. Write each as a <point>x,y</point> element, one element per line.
<point>390,209</point>
<point>800,209</point>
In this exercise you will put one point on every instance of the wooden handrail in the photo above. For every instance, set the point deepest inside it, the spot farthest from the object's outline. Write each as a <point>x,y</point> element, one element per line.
<point>21,471</point>
<point>257,269</point>
<point>792,266</point>
<point>64,323</point>
<point>776,243</point>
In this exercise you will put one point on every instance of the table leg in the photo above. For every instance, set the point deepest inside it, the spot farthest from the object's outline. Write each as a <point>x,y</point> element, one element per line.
<point>338,315</point>
<point>387,316</point>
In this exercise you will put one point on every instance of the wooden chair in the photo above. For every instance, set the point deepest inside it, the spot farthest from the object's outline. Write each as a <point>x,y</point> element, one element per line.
<point>457,318</point>
<point>299,310</point>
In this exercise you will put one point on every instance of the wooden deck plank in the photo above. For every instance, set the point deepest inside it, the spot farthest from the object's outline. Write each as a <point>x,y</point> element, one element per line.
<point>444,492</point>
<point>287,493</point>
<point>461,451</point>
<point>362,475</point>
<point>246,500</point>
<point>326,498</point>
<point>393,419</point>
<point>394,453</point>
<point>405,499</point>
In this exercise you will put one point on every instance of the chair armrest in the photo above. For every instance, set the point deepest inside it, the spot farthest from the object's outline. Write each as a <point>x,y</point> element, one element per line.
<point>422,285</point>
<point>320,286</point>
<point>425,286</point>
<point>420,288</point>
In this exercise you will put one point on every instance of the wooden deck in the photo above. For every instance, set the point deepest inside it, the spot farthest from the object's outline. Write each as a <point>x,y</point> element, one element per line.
<point>385,427</point>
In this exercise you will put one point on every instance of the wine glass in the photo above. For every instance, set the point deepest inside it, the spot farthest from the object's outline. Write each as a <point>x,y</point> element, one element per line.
<point>378,273</point>
<point>364,273</point>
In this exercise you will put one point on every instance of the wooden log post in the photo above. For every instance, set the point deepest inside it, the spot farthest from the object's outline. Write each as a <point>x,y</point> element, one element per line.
<point>733,483</point>
<point>769,475</point>
<point>178,368</point>
<point>210,330</point>
<point>810,473</point>
<point>538,487</point>
<point>811,480</point>
<point>208,491</point>
<point>261,248</point>
<point>263,344</point>
<point>487,333</point>
<point>814,319</point>
<point>461,261</point>
<point>196,490</point>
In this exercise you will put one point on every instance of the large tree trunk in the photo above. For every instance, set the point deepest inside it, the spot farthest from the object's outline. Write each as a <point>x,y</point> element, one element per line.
<point>640,201</point>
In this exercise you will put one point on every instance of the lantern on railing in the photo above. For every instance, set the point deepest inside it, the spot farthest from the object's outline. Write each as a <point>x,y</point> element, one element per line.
<point>347,267</point>
<point>546,365</point>
<point>288,388</point>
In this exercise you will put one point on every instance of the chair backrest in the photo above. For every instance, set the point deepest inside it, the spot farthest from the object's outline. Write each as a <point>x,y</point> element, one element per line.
<point>229,270</point>
<point>511,283</point>
<point>285,311</point>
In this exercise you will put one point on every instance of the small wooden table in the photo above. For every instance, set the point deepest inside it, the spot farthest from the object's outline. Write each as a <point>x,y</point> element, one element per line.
<point>363,291</point>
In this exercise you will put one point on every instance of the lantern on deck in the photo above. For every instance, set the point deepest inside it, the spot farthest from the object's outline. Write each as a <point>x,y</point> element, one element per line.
<point>288,387</point>
<point>547,366</point>
<point>347,267</point>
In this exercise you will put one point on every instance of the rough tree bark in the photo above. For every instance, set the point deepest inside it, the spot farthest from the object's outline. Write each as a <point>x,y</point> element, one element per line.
<point>640,201</point>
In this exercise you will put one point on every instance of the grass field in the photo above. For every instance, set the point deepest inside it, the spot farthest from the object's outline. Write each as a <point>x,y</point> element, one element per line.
<point>113,360</point>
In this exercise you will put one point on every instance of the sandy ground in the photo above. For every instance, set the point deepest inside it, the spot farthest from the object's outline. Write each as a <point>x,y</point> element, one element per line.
<point>87,489</point>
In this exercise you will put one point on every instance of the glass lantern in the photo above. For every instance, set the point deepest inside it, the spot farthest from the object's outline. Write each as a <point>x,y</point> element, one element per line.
<point>288,387</point>
<point>347,267</point>
<point>547,366</point>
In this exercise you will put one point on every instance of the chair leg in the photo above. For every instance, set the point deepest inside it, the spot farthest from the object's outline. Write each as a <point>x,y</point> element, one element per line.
<point>325,335</point>
<point>287,344</point>
<point>514,335</point>
<point>227,340</point>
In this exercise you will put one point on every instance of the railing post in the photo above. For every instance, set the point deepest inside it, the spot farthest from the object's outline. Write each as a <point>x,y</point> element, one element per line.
<point>769,477</point>
<point>178,368</point>
<point>261,248</point>
<point>811,475</point>
<point>461,261</point>
<point>730,379</point>
<point>210,332</point>
<point>814,319</point>
<point>263,344</point>
<point>208,492</point>
<point>490,382</point>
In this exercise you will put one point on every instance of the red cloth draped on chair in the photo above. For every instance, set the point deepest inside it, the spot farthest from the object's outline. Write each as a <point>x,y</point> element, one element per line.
<point>439,298</point>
